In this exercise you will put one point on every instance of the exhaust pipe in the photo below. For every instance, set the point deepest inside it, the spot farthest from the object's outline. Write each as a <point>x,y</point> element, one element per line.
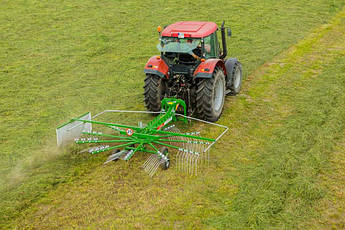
<point>225,51</point>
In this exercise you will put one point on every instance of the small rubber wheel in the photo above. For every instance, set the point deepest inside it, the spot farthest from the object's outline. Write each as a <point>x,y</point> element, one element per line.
<point>166,164</point>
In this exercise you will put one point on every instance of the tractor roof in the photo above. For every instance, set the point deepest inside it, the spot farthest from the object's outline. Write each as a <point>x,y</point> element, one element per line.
<point>191,29</point>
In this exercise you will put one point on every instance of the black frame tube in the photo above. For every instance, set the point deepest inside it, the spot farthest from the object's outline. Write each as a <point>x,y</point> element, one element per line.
<point>225,51</point>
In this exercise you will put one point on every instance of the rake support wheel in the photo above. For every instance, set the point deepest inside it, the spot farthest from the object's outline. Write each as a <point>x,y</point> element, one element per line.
<point>166,163</point>
<point>154,92</point>
<point>210,96</point>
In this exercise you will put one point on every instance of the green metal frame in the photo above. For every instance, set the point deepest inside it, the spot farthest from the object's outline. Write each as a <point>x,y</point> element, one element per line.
<point>144,139</point>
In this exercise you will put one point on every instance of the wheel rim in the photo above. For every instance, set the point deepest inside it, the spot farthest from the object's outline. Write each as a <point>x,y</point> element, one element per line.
<point>218,95</point>
<point>237,81</point>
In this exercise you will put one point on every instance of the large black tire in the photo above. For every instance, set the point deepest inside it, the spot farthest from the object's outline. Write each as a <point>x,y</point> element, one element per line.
<point>154,92</point>
<point>210,96</point>
<point>234,75</point>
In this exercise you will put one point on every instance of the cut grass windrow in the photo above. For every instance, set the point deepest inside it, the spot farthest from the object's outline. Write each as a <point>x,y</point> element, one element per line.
<point>285,126</point>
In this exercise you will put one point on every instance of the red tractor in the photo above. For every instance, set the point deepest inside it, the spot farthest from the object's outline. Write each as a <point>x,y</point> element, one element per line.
<point>192,67</point>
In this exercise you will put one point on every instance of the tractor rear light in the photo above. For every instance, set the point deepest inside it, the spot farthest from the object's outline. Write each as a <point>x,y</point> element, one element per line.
<point>202,59</point>
<point>180,35</point>
<point>159,29</point>
<point>158,58</point>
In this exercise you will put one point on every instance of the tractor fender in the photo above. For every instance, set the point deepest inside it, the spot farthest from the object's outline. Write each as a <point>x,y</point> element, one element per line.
<point>229,65</point>
<point>206,68</point>
<point>157,66</point>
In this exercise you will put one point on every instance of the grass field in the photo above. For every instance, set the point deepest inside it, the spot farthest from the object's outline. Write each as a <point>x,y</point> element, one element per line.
<point>61,59</point>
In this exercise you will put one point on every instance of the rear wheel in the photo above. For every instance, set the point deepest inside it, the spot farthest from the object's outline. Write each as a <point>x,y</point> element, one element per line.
<point>154,92</point>
<point>210,96</point>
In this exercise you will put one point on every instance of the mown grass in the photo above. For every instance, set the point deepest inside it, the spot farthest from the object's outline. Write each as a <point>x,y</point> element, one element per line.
<point>59,60</point>
<point>332,206</point>
<point>265,173</point>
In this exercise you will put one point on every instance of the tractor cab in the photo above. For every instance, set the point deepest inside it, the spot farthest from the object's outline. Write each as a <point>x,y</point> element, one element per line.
<point>190,42</point>
<point>190,58</point>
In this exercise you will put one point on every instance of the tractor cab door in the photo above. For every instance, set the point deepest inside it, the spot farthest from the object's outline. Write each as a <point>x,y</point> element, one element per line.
<point>211,46</point>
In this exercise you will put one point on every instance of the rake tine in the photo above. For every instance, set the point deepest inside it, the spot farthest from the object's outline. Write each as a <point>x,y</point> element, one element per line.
<point>186,162</point>
<point>153,158</point>
<point>147,168</point>
<point>195,147</point>
<point>196,165</point>
<point>181,161</point>
<point>195,162</point>
<point>152,171</point>
<point>188,155</point>
<point>185,157</point>
<point>177,160</point>
<point>208,157</point>
<point>184,168</point>
<point>191,163</point>
<point>147,161</point>
<point>150,166</point>
<point>202,154</point>
<point>191,157</point>
<point>154,162</point>
<point>150,163</point>
<point>154,167</point>
<point>201,151</point>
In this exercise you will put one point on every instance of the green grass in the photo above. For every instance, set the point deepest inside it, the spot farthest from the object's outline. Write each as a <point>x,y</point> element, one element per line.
<point>59,60</point>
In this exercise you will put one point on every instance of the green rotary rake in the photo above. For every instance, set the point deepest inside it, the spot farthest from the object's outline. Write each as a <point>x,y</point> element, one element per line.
<point>159,138</point>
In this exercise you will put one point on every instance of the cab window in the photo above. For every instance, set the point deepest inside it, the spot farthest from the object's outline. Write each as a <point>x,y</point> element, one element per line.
<point>210,46</point>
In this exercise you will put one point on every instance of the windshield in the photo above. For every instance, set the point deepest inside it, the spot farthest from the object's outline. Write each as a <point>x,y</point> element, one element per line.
<point>178,45</point>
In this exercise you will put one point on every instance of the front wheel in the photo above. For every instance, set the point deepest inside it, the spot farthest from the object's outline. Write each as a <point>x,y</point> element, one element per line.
<point>234,76</point>
<point>210,96</point>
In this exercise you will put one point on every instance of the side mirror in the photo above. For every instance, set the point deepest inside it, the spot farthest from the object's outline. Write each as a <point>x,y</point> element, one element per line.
<point>229,32</point>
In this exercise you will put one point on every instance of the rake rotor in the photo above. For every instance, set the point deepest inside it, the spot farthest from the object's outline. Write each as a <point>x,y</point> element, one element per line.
<point>160,137</point>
